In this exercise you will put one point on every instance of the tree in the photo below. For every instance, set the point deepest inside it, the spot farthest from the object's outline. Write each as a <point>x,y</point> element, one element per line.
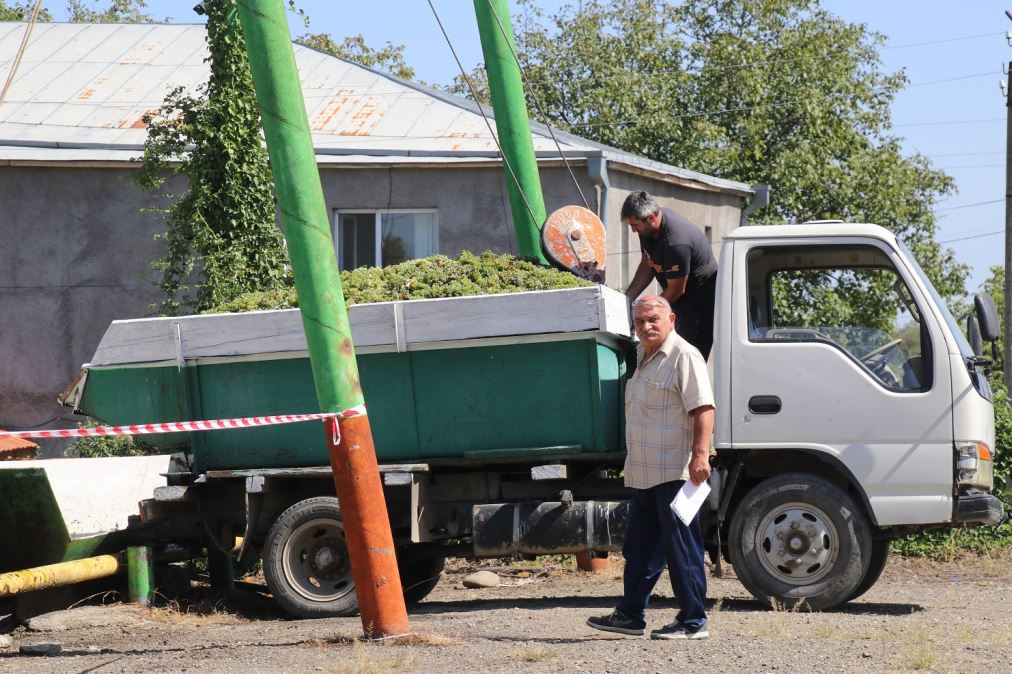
<point>222,234</point>
<point>389,59</point>
<point>21,11</point>
<point>118,11</point>
<point>759,91</point>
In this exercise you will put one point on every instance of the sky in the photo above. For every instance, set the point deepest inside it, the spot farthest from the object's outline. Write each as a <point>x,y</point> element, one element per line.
<point>952,111</point>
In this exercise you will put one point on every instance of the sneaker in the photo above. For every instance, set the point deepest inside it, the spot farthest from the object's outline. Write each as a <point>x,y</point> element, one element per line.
<point>677,631</point>
<point>616,621</point>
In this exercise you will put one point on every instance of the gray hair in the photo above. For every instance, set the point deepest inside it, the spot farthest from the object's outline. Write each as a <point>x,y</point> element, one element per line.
<point>652,303</point>
<point>639,205</point>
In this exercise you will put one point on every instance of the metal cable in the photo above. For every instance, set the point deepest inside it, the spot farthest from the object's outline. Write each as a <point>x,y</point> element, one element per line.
<point>21,50</point>
<point>537,104</point>
<point>481,109</point>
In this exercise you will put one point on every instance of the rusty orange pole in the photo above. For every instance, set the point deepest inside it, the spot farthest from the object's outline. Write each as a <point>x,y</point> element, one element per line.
<point>324,316</point>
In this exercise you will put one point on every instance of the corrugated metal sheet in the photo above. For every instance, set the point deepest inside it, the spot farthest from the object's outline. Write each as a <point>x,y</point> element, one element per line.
<point>85,87</point>
<point>16,448</point>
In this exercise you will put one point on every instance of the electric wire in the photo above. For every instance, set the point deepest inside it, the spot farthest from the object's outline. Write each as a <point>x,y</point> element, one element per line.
<point>21,50</point>
<point>537,103</point>
<point>481,109</point>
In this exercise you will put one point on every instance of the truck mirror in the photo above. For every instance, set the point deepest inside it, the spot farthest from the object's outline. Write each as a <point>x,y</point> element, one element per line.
<point>987,317</point>
<point>973,335</point>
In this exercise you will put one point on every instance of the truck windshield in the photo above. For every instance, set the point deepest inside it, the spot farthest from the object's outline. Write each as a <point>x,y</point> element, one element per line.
<point>964,346</point>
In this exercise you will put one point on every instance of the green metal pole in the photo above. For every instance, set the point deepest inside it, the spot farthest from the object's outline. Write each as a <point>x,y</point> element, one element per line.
<point>140,575</point>
<point>221,567</point>
<point>512,124</point>
<point>324,316</point>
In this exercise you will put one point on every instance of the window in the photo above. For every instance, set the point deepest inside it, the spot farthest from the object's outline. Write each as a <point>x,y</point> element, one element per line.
<point>378,239</point>
<point>849,297</point>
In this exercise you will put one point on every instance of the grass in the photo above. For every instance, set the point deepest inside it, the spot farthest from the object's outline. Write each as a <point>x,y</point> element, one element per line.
<point>919,658</point>
<point>363,663</point>
<point>205,612</point>
<point>536,654</point>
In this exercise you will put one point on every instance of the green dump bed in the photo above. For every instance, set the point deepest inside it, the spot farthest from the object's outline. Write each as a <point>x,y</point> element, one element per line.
<point>469,378</point>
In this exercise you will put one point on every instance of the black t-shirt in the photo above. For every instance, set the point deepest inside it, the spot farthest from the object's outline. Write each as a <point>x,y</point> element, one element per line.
<point>681,249</point>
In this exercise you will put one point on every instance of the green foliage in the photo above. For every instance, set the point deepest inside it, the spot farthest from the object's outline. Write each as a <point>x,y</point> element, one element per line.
<point>760,91</point>
<point>436,276</point>
<point>221,236</point>
<point>118,11</point>
<point>353,48</point>
<point>110,445</point>
<point>22,11</point>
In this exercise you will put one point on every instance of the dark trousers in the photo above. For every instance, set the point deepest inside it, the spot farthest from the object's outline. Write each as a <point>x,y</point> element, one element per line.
<point>654,536</point>
<point>694,322</point>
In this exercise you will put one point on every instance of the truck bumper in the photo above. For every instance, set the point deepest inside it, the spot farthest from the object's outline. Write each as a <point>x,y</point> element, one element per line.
<point>978,507</point>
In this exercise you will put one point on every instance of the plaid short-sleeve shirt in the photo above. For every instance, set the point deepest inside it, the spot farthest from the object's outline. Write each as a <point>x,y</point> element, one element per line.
<point>666,386</point>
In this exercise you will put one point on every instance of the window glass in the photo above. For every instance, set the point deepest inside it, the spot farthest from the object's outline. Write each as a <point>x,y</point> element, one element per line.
<point>851,298</point>
<point>407,236</point>
<point>402,236</point>
<point>357,240</point>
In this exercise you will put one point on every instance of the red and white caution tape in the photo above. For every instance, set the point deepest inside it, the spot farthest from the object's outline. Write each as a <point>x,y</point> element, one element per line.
<point>184,426</point>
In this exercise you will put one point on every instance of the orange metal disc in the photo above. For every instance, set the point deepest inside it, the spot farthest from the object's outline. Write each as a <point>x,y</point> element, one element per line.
<point>574,238</point>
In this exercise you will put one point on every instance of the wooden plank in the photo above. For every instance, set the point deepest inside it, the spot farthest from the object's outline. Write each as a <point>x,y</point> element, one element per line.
<point>591,309</point>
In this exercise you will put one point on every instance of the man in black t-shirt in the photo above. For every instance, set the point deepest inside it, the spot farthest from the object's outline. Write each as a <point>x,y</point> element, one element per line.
<point>677,254</point>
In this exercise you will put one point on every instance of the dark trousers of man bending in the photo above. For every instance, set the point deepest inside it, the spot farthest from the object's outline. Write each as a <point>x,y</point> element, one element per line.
<point>694,321</point>
<point>656,536</point>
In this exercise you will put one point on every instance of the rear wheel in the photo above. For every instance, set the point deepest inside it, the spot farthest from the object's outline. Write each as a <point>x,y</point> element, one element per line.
<point>800,540</point>
<point>420,573</point>
<point>306,561</point>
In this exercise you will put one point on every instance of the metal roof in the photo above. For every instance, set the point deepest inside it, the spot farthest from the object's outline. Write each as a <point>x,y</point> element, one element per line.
<point>82,90</point>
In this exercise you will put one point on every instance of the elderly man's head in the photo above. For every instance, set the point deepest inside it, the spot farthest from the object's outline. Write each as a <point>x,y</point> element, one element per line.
<point>653,321</point>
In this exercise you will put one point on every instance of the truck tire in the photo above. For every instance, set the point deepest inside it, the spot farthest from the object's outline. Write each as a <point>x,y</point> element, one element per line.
<point>306,561</point>
<point>420,573</point>
<point>799,540</point>
<point>877,563</point>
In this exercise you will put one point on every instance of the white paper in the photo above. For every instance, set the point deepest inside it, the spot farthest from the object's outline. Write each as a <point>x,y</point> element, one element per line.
<point>689,499</point>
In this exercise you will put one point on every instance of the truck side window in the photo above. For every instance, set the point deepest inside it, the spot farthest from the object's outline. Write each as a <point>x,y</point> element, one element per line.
<point>850,297</point>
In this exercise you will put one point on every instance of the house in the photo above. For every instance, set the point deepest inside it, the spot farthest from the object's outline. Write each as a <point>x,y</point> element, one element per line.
<point>77,243</point>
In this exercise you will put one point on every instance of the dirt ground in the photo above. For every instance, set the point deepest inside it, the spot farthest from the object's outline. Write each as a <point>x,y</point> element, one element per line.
<point>921,616</point>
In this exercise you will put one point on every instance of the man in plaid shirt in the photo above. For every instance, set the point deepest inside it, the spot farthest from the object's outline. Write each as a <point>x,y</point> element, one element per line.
<point>669,421</point>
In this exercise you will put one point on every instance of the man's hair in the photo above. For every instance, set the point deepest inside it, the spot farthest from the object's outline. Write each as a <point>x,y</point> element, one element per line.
<point>639,205</point>
<point>652,303</point>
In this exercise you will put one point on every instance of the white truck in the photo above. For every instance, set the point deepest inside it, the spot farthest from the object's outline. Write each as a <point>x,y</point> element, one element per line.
<point>850,411</point>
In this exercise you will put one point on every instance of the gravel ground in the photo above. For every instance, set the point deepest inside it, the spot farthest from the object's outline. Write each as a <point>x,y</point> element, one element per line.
<point>921,616</point>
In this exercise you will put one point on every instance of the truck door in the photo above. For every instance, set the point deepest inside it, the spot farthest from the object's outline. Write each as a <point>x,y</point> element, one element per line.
<point>833,354</point>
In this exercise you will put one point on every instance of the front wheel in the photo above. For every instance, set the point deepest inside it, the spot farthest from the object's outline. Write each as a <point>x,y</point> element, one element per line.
<point>798,539</point>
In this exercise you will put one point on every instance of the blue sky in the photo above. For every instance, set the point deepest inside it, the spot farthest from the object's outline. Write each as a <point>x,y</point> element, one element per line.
<point>953,111</point>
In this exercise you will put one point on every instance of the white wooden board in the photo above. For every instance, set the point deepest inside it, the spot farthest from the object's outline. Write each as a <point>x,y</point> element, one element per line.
<point>397,325</point>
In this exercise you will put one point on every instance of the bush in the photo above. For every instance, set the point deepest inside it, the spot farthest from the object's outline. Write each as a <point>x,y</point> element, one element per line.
<point>944,544</point>
<point>108,445</point>
<point>430,277</point>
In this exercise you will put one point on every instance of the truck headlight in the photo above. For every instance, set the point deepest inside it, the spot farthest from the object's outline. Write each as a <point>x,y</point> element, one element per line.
<point>974,465</point>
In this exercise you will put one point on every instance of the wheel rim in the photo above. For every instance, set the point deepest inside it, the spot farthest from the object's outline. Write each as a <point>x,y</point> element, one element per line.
<point>315,561</point>
<point>797,543</point>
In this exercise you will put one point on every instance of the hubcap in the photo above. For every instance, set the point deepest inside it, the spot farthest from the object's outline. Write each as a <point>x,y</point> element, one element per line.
<point>315,561</point>
<point>797,543</point>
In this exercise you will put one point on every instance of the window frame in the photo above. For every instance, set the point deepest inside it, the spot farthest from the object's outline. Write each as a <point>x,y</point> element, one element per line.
<point>377,228</point>
<point>927,352</point>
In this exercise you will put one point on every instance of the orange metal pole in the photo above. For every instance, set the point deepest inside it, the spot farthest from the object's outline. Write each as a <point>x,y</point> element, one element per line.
<point>371,546</point>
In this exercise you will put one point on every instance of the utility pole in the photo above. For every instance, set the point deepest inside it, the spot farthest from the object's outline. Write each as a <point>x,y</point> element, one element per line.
<point>324,317</point>
<point>1006,352</point>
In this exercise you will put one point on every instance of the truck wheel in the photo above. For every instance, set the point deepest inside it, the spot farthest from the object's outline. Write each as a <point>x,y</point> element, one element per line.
<point>306,561</point>
<point>877,563</point>
<point>419,573</point>
<point>799,540</point>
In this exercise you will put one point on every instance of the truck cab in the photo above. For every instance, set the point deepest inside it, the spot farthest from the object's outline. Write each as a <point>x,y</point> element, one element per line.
<point>852,410</point>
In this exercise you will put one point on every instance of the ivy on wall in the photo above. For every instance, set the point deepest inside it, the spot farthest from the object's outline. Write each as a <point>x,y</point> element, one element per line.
<point>221,235</point>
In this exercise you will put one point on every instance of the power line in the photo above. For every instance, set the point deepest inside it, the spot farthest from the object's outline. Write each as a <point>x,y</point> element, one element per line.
<point>967,166</point>
<point>951,39</point>
<point>979,203</point>
<point>953,79</point>
<point>974,236</point>
<point>955,121</point>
